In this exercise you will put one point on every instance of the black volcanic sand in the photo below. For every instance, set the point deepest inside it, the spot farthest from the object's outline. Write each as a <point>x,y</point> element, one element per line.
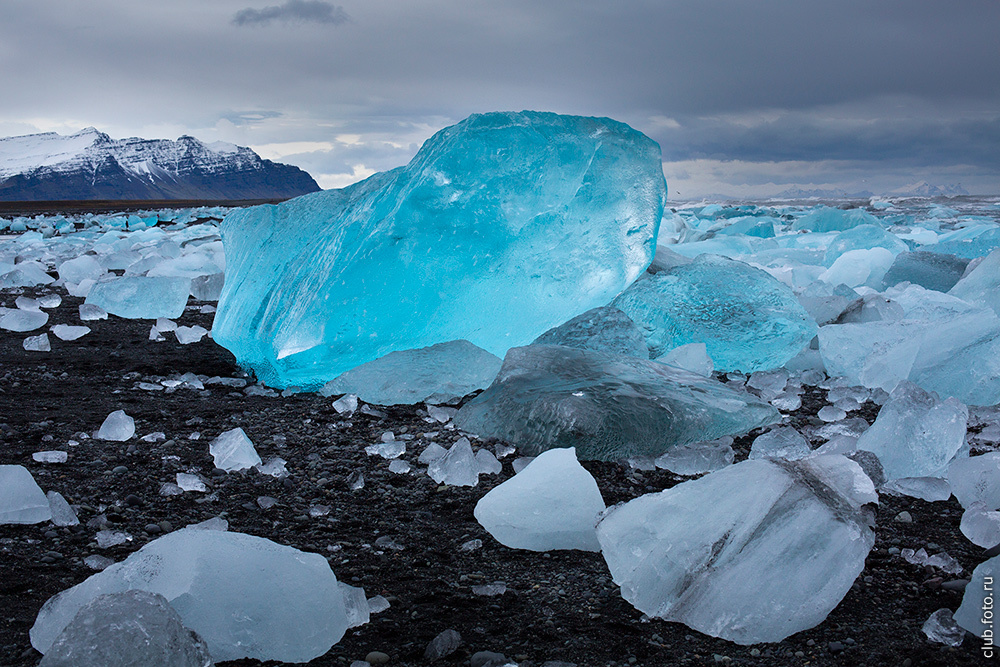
<point>558,606</point>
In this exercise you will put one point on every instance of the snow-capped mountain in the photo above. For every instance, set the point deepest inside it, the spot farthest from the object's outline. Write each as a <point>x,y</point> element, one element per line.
<point>92,165</point>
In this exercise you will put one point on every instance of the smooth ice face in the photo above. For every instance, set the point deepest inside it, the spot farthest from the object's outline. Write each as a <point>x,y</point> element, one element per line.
<point>608,406</point>
<point>698,457</point>
<point>916,434</point>
<point>21,500</point>
<point>606,329</point>
<point>245,595</point>
<point>22,320</point>
<point>976,479</point>
<point>456,467</point>
<point>435,374</point>
<point>752,553</point>
<point>981,525</point>
<point>783,442</point>
<point>141,297</point>
<point>862,237</point>
<point>233,450</point>
<point>692,357</point>
<point>501,227</point>
<point>983,585</point>
<point>747,319</point>
<point>930,270</point>
<point>117,426</point>
<point>982,285</point>
<point>552,504</point>
<point>124,629</point>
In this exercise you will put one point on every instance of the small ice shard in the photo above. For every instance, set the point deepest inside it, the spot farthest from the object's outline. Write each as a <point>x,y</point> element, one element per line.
<point>752,553</point>
<point>915,433</point>
<point>215,523</point>
<point>111,538</point>
<point>117,426</point>
<point>355,605</point>
<point>233,450</point>
<point>976,479</point>
<point>23,320</point>
<point>207,287</point>
<point>783,442</point>
<point>141,297</point>
<point>189,482</point>
<point>458,467</point>
<point>455,245</point>
<point>488,464</point>
<point>316,511</point>
<point>388,543</point>
<point>768,384</point>
<point>377,604</point>
<point>245,595</point>
<point>552,504</point>
<point>431,453</point>
<point>607,406</point>
<point>37,343</point>
<point>266,502</point>
<point>605,328</point>
<point>443,415</point>
<point>62,513</point>
<point>50,457</point>
<point>164,325</point>
<point>979,596</point>
<point>436,374</point>
<point>698,457</point>
<point>95,562</point>
<point>275,467</point>
<point>170,489</point>
<point>930,489</point>
<point>67,332</point>
<point>748,320</point>
<point>49,301</point>
<point>830,413</point>
<point>692,357</point>
<point>356,481</point>
<point>941,561</point>
<point>446,643</point>
<point>346,404</point>
<point>471,545</point>
<point>188,335</point>
<point>127,628</point>
<point>981,525</point>
<point>90,312</point>
<point>930,270</point>
<point>399,467</point>
<point>490,590</point>
<point>387,450</point>
<point>21,501</point>
<point>941,628</point>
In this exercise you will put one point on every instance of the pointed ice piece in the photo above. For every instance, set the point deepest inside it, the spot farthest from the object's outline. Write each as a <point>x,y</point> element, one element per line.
<point>117,426</point>
<point>458,244</point>
<point>21,501</point>
<point>233,450</point>
<point>62,513</point>
<point>245,595</point>
<point>37,343</point>
<point>941,628</point>
<point>982,284</point>
<point>692,357</point>
<point>552,504</point>
<point>89,312</point>
<point>610,407</point>
<point>930,270</point>
<point>747,319</point>
<point>125,629</point>
<point>783,442</point>
<point>976,479</point>
<point>698,457</point>
<point>605,328</point>
<point>752,553</point>
<point>346,404</point>
<point>139,297</point>
<point>916,434</point>
<point>23,320</point>
<point>458,467</point>
<point>981,525</point>
<point>488,464</point>
<point>431,453</point>
<point>436,374</point>
<point>67,332</point>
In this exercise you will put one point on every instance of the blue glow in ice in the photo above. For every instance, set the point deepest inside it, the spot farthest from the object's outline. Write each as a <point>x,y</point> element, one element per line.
<point>501,227</point>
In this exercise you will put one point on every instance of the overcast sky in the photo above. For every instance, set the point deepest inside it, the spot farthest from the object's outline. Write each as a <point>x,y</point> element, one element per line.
<point>745,98</point>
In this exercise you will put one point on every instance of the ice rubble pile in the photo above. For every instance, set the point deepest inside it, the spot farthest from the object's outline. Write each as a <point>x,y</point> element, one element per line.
<point>501,227</point>
<point>244,595</point>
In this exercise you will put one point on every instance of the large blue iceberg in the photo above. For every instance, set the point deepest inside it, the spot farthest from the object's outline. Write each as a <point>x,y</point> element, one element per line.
<point>501,227</point>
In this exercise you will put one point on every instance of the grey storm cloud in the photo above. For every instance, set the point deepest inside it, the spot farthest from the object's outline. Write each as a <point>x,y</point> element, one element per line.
<point>304,11</point>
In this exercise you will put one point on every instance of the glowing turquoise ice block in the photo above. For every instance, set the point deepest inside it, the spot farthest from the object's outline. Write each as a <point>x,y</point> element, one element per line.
<point>501,227</point>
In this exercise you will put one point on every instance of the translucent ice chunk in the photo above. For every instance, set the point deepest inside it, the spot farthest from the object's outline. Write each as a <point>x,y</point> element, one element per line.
<point>275,467</point>
<point>981,525</point>
<point>982,284</point>
<point>128,628</point>
<point>552,504</point>
<point>488,464</point>
<point>21,501</point>
<point>22,320</point>
<point>862,237</point>
<point>188,335</point>
<point>81,268</point>
<point>437,374</point>
<point>139,297</point>
<point>189,482</point>
<point>117,426</point>
<point>915,433</point>
<point>62,513</point>
<point>698,457</point>
<point>752,553</point>
<point>941,628</point>
<point>501,227</point>
<point>610,407</point>
<point>979,596</point>
<point>458,467</point>
<point>828,219</point>
<point>233,450</point>
<point>859,267</point>
<point>605,328</point>
<point>782,443</point>
<point>355,605</point>
<point>930,270</point>
<point>976,479</point>
<point>692,357</point>
<point>50,457</point>
<point>748,320</point>
<point>89,312</point>
<point>245,595</point>
<point>926,488</point>
<point>67,332</point>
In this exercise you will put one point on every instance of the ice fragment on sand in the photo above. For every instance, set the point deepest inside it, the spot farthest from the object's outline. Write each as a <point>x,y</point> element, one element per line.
<point>90,312</point>
<point>552,504</point>
<point>489,590</point>
<point>747,319</point>
<point>62,513</point>
<point>355,605</point>
<point>50,457</point>
<point>37,343</point>
<point>976,479</point>
<point>605,328</point>
<point>458,244</point>
<point>275,467</point>
<point>189,482</point>
<point>941,628</point>
<point>444,415</point>
<point>117,426</point>
<point>126,629</point>
<point>21,501</point>
<point>346,404</point>
<point>399,467</point>
<point>443,645</point>
<point>95,562</point>
<point>67,332</point>
<point>439,373</point>
<point>916,434</point>
<point>111,538</point>
<point>783,442</point>
<point>488,464</point>
<point>377,604</point>
<point>233,450</point>
<point>356,481</point>
<point>170,489</point>
<point>692,357</point>
<point>387,450</point>
<point>207,288</point>
<point>982,586</point>
<point>698,457</point>
<point>22,320</point>
<point>245,595</point>
<point>188,335</point>
<point>981,525</point>
<point>140,297</point>
<point>941,561</point>
<point>752,553</point>
<point>610,407</point>
<point>457,467</point>
<point>926,488</point>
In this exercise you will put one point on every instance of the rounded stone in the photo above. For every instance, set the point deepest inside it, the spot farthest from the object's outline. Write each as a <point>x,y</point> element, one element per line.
<point>376,658</point>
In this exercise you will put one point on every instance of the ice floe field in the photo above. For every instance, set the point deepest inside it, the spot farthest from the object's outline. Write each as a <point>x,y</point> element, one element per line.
<point>784,427</point>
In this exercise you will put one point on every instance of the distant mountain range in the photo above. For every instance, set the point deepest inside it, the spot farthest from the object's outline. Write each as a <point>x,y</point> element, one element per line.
<point>91,165</point>
<point>921,189</point>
